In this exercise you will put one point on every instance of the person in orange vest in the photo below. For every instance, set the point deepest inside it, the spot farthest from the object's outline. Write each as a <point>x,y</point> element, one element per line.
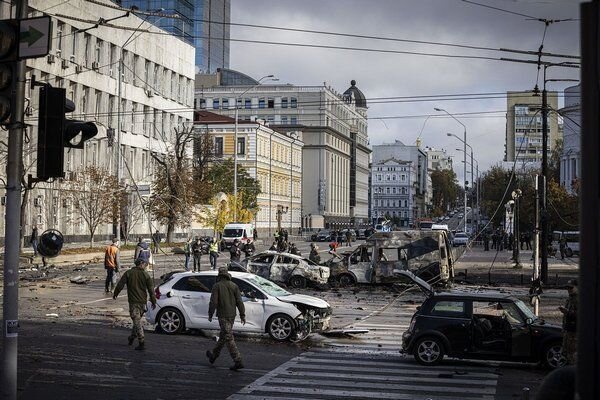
<point>111,264</point>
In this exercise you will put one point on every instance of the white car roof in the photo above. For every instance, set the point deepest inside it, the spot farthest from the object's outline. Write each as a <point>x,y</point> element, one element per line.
<point>234,274</point>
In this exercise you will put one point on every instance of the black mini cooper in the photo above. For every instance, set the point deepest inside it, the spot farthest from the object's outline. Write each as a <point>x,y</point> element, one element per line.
<point>488,326</point>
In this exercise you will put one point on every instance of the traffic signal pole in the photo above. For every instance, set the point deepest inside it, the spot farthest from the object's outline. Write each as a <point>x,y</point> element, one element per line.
<point>12,234</point>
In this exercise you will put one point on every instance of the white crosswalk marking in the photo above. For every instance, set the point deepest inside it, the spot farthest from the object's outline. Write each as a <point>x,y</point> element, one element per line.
<point>330,374</point>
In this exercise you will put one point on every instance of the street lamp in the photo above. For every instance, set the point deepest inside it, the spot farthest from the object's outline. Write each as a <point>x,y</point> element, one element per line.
<point>465,162</point>
<point>235,141</point>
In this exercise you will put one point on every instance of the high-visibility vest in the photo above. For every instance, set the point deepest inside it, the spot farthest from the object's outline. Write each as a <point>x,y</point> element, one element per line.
<point>214,247</point>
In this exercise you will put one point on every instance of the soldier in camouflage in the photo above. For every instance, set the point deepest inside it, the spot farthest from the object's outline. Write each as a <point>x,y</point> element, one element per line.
<point>569,346</point>
<point>224,299</point>
<point>139,285</point>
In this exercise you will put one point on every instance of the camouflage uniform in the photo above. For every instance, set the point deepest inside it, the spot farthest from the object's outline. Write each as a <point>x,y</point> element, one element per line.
<point>226,338</point>
<point>136,312</point>
<point>569,345</point>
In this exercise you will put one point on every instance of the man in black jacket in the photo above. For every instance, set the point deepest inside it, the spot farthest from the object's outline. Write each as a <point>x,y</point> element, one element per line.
<point>224,299</point>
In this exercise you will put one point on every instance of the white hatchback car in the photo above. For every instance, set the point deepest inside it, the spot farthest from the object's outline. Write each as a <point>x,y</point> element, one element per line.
<point>182,302</point>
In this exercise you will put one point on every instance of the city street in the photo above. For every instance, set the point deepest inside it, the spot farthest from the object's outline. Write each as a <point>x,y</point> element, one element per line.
<point>73,338</point>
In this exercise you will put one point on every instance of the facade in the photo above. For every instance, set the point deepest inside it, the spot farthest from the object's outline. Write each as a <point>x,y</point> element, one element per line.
<point>272,157</point>
<point>570,160</point>
<point>438,160</point>
<point>394,191</point>
<point>157,78</point>
<point>421,180</point>
<point>202,23</point>
<point>524,127</point>
<point>334,130</point>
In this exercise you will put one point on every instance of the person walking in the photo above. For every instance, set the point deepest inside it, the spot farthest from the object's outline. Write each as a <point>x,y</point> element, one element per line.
<point>348,238</point>
<point>249,248</point>
<point>528,240</point>
<point>196,250</point>
<point>139,289</point>
<point>224,299</point>
<point>111,264</point>
<point>213,253</point>
<point>255,234</point>
<point>138,248</point>
<point>33,240</point>
<point>486,241</point>
<point>569,323</point>
<point>562,246</point>
<point>187,252</point>
<point>234,252</point>
<point>156,237</point>
<point>314,254</point>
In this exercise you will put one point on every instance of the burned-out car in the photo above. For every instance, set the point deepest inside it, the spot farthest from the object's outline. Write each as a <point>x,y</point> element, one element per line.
<point>476,325</point>
<point>290,269</point>
<point>426,253</point>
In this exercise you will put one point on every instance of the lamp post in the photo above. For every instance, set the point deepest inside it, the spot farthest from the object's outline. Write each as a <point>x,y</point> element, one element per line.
<point>516,195</point>
<point>465,162</point>
<point>473,163</point>
<point>235,142</point>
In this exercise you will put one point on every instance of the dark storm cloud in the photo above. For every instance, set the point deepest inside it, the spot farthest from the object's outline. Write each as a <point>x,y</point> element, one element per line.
<point>385,75</point>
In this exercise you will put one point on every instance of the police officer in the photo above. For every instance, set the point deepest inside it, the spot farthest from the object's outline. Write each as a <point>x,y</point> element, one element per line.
<point>213,253</point>
<point>569,323</point>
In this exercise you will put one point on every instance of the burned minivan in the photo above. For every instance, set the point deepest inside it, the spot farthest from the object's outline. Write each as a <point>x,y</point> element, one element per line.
<point>427,254</point>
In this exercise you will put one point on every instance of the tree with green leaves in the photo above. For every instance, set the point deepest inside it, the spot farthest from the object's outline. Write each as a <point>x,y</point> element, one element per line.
<point>221,211</point>
<point>445,190</point>
<point>220,175</point>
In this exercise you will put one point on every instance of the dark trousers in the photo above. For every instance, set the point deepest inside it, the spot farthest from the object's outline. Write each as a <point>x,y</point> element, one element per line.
<point>34,245</point>
<point>197,257</point>
<point>109,276</point>
<point>213,259</point>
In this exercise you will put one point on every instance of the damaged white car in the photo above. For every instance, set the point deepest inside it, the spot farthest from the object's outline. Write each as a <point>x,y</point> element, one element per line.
<point>289,269</point>
<point>182,303</point>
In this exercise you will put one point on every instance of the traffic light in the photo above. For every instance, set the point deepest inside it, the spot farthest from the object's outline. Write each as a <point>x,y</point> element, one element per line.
<point>55,132</point>
<point>9,38</point>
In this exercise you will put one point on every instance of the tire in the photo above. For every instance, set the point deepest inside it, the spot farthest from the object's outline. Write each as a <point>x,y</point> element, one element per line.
<point>569,252</point>
<point>552,357</point>
<point>346,280</point>
<point>298,282</point>
<point>170,321</point>
<point>429,351</point>
<point>280,327</point>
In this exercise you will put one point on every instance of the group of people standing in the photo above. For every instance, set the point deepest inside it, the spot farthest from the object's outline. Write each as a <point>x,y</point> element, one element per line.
<point>501,240</point>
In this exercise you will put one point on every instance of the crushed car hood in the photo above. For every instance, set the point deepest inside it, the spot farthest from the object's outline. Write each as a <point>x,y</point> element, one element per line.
<point>304,299</point>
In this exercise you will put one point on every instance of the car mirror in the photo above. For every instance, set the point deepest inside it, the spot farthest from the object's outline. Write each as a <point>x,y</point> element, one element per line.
<point>170,293</point>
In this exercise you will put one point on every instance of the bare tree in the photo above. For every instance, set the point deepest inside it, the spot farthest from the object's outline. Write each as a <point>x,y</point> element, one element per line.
<point>96,195</point>
<point>173,194</point>
<point>204,157</point>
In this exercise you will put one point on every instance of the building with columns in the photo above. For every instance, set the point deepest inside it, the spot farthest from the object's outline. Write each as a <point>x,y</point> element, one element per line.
<point>570,160</point>
<point>335,154</point>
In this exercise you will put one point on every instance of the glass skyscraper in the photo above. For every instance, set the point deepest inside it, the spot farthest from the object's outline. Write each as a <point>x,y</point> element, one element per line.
<point>203,24</point>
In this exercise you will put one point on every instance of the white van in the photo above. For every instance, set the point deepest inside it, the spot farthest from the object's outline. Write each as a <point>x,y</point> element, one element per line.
<point>233,231</point>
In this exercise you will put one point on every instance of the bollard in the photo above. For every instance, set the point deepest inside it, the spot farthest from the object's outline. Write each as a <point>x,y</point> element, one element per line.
<point>525,393</point>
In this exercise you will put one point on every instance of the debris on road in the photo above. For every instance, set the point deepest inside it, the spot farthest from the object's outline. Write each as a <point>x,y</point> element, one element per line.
<point>80,280</point>
<point>52,315</point>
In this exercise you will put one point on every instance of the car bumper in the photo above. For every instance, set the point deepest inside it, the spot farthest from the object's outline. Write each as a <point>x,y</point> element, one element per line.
<point>321,324</point>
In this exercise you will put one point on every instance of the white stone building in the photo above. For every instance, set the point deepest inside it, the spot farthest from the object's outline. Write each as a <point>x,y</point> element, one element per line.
<point>570,160</point>
<point>272,157</point>
<point>156,96</point>
<point>334,127</point>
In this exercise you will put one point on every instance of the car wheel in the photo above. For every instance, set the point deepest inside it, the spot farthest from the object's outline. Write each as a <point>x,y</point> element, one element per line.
<point>553,356</point>
<point>280,327</point>
<point>346,280</point>
<point>171,321</point>
<point>429,351</point>
<point>298,282</point>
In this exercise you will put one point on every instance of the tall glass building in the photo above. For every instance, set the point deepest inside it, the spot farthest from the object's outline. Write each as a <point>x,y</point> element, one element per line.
<point>203,23</point>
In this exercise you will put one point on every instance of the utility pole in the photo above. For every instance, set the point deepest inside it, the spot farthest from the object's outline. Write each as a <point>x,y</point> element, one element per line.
<point>588,320</point>
<point>12,235</point>
<point>543,200</point>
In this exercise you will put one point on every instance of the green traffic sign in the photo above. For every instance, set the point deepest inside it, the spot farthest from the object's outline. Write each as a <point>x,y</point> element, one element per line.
<point>31,36</point>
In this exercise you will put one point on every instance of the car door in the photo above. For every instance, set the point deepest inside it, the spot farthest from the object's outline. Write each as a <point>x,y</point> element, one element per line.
<point>520,331</point>
<point>194,294</point>
<point>359,263</point>
<point>261,265</point>
<point>254,305</point>
<point>283,268</point>
<point>451,317</point>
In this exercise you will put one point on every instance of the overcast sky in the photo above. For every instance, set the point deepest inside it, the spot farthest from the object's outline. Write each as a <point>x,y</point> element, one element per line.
<point>388,75</point>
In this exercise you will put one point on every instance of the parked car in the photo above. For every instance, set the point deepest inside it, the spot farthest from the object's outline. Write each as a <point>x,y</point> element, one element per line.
<point>488,326</point>
<point>361,234</point>
<point>182,303</point>
<point>289,269</point>
<point>322,236</point>
<point>460,239</point>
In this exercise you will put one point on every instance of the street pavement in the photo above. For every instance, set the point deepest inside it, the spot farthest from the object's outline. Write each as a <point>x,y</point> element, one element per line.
<point>73,339</point>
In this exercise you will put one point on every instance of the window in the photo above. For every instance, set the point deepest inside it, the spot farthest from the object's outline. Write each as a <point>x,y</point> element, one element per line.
<point>261,102</point>
<point>195,284</point>
<point>270,102</point>
<point>215,104</point>
<point>294,102</point>
<point>60,27</point>
<point>247,290</point>
<point>74,43</point>
<point>284,119</point>
<point>247,103</point>
<point>241,146</point>
<point>266,259</point>
<point>225,103</point>
<point>86,56</point>
<point>98,51</point>
<point>446,307</point>
<point>284,102</point>
<point>293,120</point>
<point>219,146</point>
